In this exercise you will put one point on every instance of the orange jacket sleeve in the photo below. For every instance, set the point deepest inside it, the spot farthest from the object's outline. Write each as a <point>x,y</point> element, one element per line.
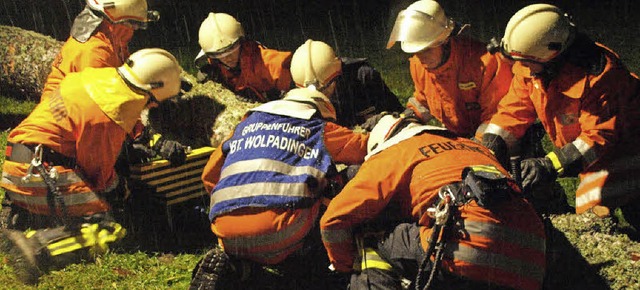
<point>344,145</point>
<point>366,195</point>
<point>278,64</point>
<point>211,172</point>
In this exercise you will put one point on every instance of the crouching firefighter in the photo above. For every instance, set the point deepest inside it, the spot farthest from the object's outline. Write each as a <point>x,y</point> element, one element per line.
<point>59,169</point>
<point>465,223</point>
<point>266,180</point>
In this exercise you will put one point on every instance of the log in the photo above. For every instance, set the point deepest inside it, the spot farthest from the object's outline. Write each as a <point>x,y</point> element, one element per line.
<point>25,62</point>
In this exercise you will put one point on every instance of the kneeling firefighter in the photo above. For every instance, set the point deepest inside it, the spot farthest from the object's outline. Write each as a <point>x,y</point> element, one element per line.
<point>267,180</point>
<point>59,171</point>
<point>463,223</point>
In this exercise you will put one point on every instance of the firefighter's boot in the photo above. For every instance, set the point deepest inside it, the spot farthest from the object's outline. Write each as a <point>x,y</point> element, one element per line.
<point>211,271</point>
<point>36,252</point>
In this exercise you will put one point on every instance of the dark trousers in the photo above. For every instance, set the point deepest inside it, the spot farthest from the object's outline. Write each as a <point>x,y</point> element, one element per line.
<point>401,248</point>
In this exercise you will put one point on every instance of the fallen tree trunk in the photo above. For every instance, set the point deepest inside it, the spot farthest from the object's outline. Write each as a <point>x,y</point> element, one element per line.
<point>25,62</point>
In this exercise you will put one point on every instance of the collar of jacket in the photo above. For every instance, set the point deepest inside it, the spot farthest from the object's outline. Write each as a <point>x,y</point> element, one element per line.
<point>114,97</point>
<point>288,108</point>
<point>570,81</point>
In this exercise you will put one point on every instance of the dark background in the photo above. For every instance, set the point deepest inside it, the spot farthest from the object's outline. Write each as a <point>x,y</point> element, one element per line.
<point>353,27</point>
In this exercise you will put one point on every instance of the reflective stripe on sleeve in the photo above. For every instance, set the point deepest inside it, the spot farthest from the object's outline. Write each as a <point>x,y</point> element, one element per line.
<point>506,135</point>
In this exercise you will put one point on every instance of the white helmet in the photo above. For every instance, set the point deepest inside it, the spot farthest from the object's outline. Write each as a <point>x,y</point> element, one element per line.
<point>315,64</point>
<point>219,32</point>
<point>538,33</point>
<point>423,24</point>
<point>382,131</point>
<point>125,11</point>
<point>153,70</point>
<point>315,98</point>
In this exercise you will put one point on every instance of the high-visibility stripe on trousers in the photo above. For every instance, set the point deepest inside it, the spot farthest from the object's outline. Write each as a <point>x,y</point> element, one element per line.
<point>266,236</point>
<point>31,194</point>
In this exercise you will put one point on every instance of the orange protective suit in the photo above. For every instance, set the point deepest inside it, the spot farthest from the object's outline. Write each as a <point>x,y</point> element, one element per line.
<point>262,70</point>
<point>463,93</point>
<point>86,119</point>
<point>269,235</point>
<point>107,47</point>
<point>598,113</point>
<point>409,175</point>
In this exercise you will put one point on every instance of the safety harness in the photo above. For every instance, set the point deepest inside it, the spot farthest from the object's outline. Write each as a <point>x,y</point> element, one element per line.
<point>483,183</point>
<point>41,161</point>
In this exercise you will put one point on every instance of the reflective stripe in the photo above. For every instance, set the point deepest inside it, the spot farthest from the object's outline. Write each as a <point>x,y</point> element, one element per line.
<point>481,129</point>
<point>497,232</point>
<point>506,135</point>
<point>269,165</point>
<point>371,260</point>
<point>336,236</point>
<point>557,165</point>
<point>70,199</point>
<point>492,260</point>
<point>588,152</point>
<point>94,235</point>
<point>260,189</point>
<point>64,179</point>
<point>589,192</point>
<point>488,168</point>
<point>249,242</point>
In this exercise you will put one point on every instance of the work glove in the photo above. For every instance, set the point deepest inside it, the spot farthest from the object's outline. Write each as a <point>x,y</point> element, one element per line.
<point>537,170</point>
<point>173,151</point>
<point>140,153</point>
<point>250,95</point>
<point>373,120</point>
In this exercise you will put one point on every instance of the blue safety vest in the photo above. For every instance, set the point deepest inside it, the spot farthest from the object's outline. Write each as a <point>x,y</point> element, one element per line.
<point>272,161</point>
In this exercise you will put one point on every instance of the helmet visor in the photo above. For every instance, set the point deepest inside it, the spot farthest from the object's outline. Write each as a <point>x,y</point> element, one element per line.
<point>152,16</point>
<point>225,51</point>
<point>421,28</point>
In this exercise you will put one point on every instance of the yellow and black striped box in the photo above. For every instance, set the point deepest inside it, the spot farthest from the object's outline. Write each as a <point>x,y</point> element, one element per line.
<point>171,185</point>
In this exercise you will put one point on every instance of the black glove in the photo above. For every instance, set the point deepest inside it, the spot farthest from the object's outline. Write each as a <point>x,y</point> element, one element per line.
<point>173,151</point>
<point>250,95</point>
<point>140,153</point>
<point>537,170</point>
<point>373,120</point>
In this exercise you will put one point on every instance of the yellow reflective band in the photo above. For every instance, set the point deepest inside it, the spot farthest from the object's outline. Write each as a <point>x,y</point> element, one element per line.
<point>372,260</point>
<point>154,139</point>
<point>486,168</point>
<point>556,162</point>
<point>30,233</point>
<point>64,246</point>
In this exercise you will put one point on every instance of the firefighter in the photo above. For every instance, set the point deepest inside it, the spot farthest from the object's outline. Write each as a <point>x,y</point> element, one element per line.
<point>587,101</point>
<point>58,174</point>
<point>359,93</point>
<point>267,179</point>
<point>252,71</point>
<point>99,38</point>
<point>456,80</point>
<point>465,225</point>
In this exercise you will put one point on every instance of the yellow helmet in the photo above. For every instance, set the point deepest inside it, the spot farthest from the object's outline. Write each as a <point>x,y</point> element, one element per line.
<point>219,32</point>
<point>423,24</point>
<point>314,97</point>
<point>315,64</point>
<point>538,33</point>
<point>153,70</point>
<point>125,11</point>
